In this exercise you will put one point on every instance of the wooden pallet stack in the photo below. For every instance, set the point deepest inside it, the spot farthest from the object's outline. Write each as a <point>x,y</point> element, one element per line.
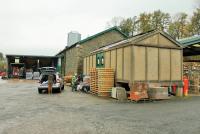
<point>93,81</point>
<point>105,81</point>
<point>102,81</point>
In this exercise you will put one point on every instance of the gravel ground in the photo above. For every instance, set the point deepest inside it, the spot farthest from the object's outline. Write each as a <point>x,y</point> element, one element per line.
<point>24,111</point>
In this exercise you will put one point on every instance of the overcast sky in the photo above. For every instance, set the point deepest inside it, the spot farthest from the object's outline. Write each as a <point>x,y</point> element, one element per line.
<point>40,27</point>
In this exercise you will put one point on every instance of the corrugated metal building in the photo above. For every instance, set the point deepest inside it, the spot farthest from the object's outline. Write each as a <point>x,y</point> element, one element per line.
<point>191,51</point>
<point>29,63</point>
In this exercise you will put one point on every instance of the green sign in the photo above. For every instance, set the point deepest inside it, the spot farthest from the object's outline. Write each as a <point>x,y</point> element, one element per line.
<point>100,60</point>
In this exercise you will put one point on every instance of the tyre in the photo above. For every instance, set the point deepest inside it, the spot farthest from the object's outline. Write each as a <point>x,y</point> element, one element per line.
<point>63,87</point>
<point>85,89</point>
<point>58,90</point>
<point>39,91</point>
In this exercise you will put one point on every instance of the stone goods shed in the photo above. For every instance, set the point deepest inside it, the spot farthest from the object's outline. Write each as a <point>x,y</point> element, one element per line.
<point>151,57</point>
<point>72,57</point>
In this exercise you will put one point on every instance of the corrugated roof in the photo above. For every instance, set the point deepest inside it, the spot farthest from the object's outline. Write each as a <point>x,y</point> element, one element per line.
<point>41,56</point>
<point>190,41</point>
<point>115,28</point>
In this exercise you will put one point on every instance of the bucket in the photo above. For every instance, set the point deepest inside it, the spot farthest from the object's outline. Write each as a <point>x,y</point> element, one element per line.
<point>174,88</point>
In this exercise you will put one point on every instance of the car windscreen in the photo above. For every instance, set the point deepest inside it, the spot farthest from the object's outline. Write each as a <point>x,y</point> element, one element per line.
<point>47,70</point>
<point>44,78</point>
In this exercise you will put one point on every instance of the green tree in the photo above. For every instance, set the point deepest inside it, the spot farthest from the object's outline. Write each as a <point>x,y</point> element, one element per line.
<point>182,18</point>
<point>144,22</point>
<point>129,25</point>
<point>160,20</point>
<point>2,62</point>
<point>189,31</point>
<point>195,21</point>
<point>178,26</point>
<point>1,56</point>
<point>173,30</point>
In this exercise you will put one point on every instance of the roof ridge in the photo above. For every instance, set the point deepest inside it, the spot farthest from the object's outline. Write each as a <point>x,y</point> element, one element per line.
<point>137,38</point>
<point>102,32</point>
<point>95,35</point>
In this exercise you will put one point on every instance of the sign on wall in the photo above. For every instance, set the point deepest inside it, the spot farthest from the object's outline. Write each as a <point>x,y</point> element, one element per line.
<point>16,60</point>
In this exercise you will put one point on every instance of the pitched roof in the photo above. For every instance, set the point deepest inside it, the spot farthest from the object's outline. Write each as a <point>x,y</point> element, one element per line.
<point>115,28</point>
<point>190,41</point>
<point>137,38</point>
<point>100,33</point>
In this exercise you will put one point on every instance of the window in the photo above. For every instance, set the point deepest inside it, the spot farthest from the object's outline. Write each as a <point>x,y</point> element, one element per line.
<point>100,60</point>
<point>16,60</point>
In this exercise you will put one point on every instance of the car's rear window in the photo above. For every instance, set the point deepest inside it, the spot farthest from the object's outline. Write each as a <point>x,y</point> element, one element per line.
<point>45,78</point>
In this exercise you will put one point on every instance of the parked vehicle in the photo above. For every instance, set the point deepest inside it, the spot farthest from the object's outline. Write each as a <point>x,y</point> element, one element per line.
<point>58,84</point>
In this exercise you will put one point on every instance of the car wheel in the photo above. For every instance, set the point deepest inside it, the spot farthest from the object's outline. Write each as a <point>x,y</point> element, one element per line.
<point>63,87</point>
<point>39,91</point>
<point>85,89</point>
<point>58,90</point>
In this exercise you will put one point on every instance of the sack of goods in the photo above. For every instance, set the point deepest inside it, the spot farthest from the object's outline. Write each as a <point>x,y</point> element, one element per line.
<point>86,80</point>
<point>119,93</point>
<point>29,75</point>
<point>68,78</point>
<point>36,75</point>
<point>158,93</point>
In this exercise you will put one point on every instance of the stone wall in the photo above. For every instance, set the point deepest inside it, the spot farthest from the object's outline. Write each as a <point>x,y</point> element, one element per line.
<point>71,61</point>
<point>74,56</point>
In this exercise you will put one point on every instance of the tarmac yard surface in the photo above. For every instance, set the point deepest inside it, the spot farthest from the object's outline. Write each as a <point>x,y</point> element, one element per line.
<point>24,111</point>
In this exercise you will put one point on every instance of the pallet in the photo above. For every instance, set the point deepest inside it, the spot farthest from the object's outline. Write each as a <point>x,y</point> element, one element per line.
<point>94,93</point>
<point>141,100</point>
<point>102,80</point>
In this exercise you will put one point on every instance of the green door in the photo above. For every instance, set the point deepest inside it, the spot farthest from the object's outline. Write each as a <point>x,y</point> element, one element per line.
<point>100,60</point>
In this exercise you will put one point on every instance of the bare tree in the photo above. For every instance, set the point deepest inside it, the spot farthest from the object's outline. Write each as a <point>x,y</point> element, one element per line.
<point>115,21</point>
<point>177,28</point>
